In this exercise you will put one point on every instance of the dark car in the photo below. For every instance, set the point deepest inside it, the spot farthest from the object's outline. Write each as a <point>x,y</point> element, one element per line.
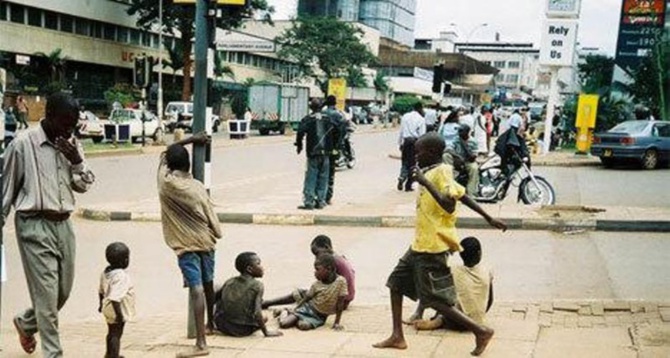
<point>646,142</point>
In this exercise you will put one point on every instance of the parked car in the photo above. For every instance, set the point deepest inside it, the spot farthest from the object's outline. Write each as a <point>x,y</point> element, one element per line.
<point>180,115</point>
<point>90,126</point>
<point>646,142</point>
<point>134,117</point>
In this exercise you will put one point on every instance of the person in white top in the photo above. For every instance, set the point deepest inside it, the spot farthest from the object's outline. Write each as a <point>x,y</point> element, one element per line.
<point>515,121</point>
<point>116,295</point>
<point>479,131</point>
<point>467,118</point>
<point>431,119</point>
<point>412,126</point>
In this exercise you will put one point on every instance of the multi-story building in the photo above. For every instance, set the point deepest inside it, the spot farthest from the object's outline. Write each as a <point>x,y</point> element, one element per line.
<point>394,19</point>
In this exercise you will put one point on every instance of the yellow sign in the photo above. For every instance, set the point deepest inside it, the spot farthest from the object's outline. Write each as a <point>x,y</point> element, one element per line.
<point>338,87</point>
<point>587,110</point>
<point>219,2</point>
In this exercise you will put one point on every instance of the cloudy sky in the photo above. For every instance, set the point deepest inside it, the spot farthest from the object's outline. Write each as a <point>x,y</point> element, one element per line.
<point>515,20</point>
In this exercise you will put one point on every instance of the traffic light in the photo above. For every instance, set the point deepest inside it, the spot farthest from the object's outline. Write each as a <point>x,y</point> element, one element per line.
<point>142,72</point>
<point>438,77</point>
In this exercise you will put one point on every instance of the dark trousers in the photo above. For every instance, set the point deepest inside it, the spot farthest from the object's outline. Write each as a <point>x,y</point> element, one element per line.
<point>315,186</point>
<point>331,177</point>
<point>408,162</point>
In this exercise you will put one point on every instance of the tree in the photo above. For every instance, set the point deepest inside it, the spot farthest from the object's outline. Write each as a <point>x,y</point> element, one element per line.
<point>595,74</point>
<point>180,19</point>
<point>220,69</point>
<point>355,78</point>
<point>381,84</point>
<point>404,104</point>
<point>55,62</point>
<point>650,78</point>
<point>324,48</point>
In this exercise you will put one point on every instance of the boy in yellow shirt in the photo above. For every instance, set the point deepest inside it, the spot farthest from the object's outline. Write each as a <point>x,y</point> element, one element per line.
<point>422,272</point>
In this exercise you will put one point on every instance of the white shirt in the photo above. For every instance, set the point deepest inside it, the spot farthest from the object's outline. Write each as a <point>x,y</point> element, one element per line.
<point>412,125</point>
<point>431,117</point>
<point>515,121</point>
<point>469,120</point>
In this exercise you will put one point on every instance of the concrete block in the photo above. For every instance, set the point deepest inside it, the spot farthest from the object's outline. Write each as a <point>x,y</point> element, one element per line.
<point>320,341</point>
<point>270,219</point>
<point>650,307</point>
<point>584,311</point>
<point>418,346</point>
<point>597,309</point>
<point>533,313</point>
<point>617,306</point>
<point>566,306</point>
<point>584,322</point>
<point>665,314</point>
<point>571,322</point>
<point>636,307</point>
<point>520,308</point>
<point>547,307</point>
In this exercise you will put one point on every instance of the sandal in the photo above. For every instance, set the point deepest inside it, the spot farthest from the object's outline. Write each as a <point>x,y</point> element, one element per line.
<point>28,343</point>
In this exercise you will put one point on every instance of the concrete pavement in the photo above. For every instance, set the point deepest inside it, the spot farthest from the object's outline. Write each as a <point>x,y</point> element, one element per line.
<point>541,329</point>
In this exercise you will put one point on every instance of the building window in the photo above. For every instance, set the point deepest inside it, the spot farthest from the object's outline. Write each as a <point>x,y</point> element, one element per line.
<point>513,64</point>
<point>96,29</point>
<point>122,34</point>
<point>66,23</point>
<point>512,78</point>
<point>109,32</point>
<point>488,63</point>
<point>34,17</point>
<point>247,59</point>
<point>51,20</point>
<point>16,14</point>
<point>154,41</point>
<point>134,37</point>
<point>499,64</point>
<point>146,39</point>
<point>500,77</point>
<point>82,27</point>
<point>239,57</point>
<point>3,11</point>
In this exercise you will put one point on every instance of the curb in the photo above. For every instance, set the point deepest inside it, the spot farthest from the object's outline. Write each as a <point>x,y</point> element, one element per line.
<point>575,226</point>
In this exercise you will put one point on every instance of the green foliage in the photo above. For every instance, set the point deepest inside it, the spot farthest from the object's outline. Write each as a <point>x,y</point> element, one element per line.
<point>595,74</point>
<point>55,62</point>
<point>238,103</point>
<point>122,93</point>
<point>355,78</point>
<point>404,104</point>
<point>324,48</point>
<point>381,83</point>
<point>220,69</point>
<point>650,77</point>
<point>180,19</point>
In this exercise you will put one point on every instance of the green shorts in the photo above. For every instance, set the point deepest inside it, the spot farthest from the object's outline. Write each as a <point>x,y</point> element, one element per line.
<point>425,277</point>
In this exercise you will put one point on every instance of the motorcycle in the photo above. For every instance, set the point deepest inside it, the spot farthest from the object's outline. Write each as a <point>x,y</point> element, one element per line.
<point>347,155</point>
<point>509,165</point>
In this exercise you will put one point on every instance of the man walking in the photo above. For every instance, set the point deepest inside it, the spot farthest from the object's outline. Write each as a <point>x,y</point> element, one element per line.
<point>319,130</point>
<point>340,123</point>
<point>43,166</point>
<point>412,126</point>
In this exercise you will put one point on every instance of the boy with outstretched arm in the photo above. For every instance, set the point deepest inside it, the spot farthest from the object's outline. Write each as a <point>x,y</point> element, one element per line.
<point>190,229</point>
<point>238,310</point>
<point>325,297</point>
<point>422,273</point>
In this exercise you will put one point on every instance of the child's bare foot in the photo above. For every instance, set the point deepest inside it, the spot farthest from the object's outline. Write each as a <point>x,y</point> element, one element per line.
<point>482,341</point>
<point>428,325</point>
<point>413,318</point>
<point>392,342</point>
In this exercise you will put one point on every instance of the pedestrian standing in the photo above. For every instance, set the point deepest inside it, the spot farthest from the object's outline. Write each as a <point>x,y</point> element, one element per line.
<point>22,107</point>
<point>43,166</point>
<point>10,126</point>
<point>431,119</point>
<point>317,130</point>
<point>479,132</point>
<point>336,117</point>
<point>190,228</point>
<point>412,126</point>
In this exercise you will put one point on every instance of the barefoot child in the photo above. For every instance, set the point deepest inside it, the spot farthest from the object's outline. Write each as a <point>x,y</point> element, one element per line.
<point>325,297</point>
<point>237,310</point>
<point>474,289</point>
<point>422,272</point>
<point>116,296</point>
<point>323,245</point>
<point>190,229</point>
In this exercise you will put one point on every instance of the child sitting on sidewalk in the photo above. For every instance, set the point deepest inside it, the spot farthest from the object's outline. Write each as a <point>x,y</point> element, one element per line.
<point>323,245</point>
<point>116,296</point>
<point>422,272</point>
<point>474,289</point>
<point>325,297</point>
<point>237,310</point>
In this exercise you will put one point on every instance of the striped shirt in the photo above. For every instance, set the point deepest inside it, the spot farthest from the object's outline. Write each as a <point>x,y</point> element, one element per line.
<point>37,177</point>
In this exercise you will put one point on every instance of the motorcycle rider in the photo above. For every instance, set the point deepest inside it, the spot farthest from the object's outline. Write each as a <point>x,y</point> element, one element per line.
<point>466,149</point>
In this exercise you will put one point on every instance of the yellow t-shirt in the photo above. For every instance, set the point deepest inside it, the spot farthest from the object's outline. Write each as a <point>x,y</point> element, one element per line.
<point>436,228</point>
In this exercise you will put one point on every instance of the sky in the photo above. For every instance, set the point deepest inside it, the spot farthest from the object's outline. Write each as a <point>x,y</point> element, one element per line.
<point>514,20</point>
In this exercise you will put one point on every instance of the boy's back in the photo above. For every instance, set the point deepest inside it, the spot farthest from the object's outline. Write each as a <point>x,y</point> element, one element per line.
<point>473,287</point>
<point>236,305</point>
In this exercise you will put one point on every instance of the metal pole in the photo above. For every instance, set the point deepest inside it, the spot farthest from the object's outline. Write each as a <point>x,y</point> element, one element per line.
<point>553,100</point>
<point>661,94</point>
<point>159,103</point>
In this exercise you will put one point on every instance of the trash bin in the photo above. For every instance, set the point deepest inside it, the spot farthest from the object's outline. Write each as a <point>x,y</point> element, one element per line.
<point>118,132</point>
<point>238,129</point>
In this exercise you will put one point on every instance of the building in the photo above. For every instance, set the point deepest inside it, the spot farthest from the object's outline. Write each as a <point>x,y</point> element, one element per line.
<point>394,19</point>
<point>345,10</point>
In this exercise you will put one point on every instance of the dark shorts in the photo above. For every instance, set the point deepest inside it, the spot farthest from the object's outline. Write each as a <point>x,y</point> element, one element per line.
<point>424,277</point>
<point>307,313</point>
<point>197,267</point>
<point>233,329</point>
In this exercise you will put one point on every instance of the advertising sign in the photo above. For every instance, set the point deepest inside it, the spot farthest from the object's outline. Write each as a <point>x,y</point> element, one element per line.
<point>246,46</point>
<point>640,26</point>
<point>338,87</point>
<point>587,110</point>
<point>557,46</point>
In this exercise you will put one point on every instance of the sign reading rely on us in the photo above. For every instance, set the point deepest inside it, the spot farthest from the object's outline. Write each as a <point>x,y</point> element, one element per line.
<point>557,47</point>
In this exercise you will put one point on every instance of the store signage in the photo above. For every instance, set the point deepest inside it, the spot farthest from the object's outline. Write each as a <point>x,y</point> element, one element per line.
<point>246,46</point>
<point>640,27</point>
<point>557,46</point>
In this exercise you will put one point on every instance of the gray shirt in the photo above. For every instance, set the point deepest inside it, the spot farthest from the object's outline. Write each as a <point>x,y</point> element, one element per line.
<point>37,177</point>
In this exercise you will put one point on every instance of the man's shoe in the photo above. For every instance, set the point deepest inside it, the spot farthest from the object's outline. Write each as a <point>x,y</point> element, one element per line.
<point>320,206</point>
<point>400,182</point>
<point>409,188</point>
<point>306,207</point>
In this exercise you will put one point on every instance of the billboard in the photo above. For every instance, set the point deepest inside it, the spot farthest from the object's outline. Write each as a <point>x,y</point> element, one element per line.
<point>640,26</point>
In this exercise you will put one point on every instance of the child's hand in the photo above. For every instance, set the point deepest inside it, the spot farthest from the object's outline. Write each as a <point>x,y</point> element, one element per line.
<point>100,308</point>
<point>498,224</point>
<point>338,327</point>
<point>419,176</point>
<point>270,334</point>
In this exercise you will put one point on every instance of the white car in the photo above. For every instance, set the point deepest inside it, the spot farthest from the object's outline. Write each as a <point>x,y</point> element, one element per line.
<point>180,115</point>
<point>134,117</point>
<point>89,126</point>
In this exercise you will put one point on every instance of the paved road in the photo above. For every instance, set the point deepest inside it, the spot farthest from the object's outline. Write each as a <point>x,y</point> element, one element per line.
<point>274,169</point>
<point>529,266</point>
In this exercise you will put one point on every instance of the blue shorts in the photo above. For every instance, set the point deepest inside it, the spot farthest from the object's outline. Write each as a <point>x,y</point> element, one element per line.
<point>197,267</point>
<point>307,313</point>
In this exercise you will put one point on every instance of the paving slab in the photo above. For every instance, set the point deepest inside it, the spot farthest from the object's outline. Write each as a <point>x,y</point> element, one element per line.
<point>361,345</point>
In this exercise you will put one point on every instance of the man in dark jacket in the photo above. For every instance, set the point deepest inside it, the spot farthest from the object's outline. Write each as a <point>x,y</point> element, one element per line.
<point>336,117</point>
<point>320,142</point>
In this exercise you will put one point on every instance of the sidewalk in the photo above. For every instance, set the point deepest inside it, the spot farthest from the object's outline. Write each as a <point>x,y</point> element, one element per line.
<point>544,329</point>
